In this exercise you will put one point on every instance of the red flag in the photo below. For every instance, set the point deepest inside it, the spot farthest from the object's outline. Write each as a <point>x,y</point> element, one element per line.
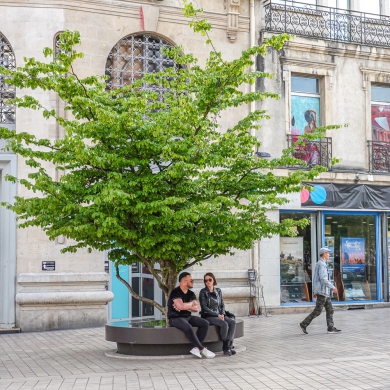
<point>141,13</point>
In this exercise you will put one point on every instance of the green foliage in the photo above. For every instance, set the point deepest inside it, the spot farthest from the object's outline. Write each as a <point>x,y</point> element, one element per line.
<point>149,180</point>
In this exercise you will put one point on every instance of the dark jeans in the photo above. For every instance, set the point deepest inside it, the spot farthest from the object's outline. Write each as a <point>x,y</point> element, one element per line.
<point>322,301</point>
<point>186,324</point>
<point>228,327</point>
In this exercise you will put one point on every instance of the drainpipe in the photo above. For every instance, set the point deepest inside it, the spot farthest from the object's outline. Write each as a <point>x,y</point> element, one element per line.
<point>252,32</point>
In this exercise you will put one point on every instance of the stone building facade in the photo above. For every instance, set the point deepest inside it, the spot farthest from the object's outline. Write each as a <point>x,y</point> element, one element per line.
<point>41,288</point>
<point>335,71</point>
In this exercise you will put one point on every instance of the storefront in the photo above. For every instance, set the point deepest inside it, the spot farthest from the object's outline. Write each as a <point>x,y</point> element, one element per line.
<point>352,221</point>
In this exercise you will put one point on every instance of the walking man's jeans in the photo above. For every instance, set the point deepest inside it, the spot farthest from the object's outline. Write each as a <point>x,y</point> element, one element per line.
<point>186,324</point>
<point>322,301</point>
<point>227,327</point>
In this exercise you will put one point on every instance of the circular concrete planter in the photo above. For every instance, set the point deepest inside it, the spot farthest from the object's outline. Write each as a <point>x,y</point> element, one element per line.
<point>160,341</point>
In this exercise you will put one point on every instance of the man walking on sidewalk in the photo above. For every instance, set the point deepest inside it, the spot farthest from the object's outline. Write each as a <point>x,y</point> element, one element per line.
<point>321,288</point>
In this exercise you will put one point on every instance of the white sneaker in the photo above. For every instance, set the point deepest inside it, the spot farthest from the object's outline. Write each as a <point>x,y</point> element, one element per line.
<point>195,351</point>
<point>208,354</point>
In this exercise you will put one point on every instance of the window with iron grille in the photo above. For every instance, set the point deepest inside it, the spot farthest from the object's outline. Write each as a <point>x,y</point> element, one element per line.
<point>57,42</point>
<point>135,55</point>
<point>7,111</point>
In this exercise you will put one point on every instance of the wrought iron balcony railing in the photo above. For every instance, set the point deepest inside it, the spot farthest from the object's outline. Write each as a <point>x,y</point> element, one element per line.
<point>379,156</point>
<point>327,23</point>
<point>318,152</point>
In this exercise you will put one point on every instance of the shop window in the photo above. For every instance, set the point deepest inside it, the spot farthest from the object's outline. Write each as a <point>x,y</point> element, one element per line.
<point>352,263</point>
<point>296,261</point>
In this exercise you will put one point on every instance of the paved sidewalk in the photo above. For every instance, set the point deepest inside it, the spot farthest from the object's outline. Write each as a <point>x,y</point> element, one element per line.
<point>278,356</point>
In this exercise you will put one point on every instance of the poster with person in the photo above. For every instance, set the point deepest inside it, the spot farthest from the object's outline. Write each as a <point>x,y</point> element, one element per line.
<point>353,251</point>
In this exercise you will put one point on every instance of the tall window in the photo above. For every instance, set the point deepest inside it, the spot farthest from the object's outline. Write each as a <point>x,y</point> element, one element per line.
<point>340,4</point>
<point>135,55</point>
<point>380,112</point>
<point>303,4</point>
<point>371,7</point>
<point>7,111</point>
<point>305,104</point>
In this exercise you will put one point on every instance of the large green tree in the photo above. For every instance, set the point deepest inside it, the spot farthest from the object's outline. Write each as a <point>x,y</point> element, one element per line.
<point>152,180</point>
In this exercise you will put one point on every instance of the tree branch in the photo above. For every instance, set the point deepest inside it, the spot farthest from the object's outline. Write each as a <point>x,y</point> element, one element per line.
<point>139,297</point>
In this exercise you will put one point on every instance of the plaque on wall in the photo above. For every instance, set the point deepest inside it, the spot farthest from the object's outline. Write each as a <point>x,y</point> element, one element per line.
<point>48,265</point>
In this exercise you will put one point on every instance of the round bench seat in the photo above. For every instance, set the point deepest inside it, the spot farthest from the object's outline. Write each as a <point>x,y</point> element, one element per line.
<point>160,341</point>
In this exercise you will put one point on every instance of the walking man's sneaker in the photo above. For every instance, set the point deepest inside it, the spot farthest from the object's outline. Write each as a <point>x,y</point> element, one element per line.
<point>334,330</point>
<point>302,328</point>
<point>207,354</point>
<point>195,351</point>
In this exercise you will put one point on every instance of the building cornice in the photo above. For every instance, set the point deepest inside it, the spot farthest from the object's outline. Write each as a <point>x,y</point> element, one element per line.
<point>290,61</point>
<point>332,48</point>
<point>168,13</point>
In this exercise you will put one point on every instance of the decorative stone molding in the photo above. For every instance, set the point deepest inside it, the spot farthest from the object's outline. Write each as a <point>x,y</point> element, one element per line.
<point>47,301</point>
<point>62,278</point>
<point>149,17</point>
<point>308,67</point>
<point>64,298</point>
<point>233,14</point>
<point>374,75</point>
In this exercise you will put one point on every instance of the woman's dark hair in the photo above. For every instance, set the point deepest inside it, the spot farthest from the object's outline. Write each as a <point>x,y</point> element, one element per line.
<point>212,276</point>
<point>310,116</point>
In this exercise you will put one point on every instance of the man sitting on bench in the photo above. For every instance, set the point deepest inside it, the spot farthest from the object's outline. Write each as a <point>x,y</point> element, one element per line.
<point>181,303</point>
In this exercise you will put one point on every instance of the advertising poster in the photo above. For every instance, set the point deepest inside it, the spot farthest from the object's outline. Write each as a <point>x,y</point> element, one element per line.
<point>305,114</point>
<point>388,257</point>
<point>291,259</point>
<point>329,243</point>
<point>353,255</point>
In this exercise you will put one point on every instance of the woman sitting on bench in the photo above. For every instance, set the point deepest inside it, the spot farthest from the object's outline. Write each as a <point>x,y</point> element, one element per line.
<point>213,310</point>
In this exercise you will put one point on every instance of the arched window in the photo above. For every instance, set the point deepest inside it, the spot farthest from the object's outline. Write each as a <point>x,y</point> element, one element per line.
<point>56,49</point>
<point>7,111</point>
<point>135,55</point>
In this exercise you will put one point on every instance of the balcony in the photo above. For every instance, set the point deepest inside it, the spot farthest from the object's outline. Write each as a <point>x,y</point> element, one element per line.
<point>312,153</point>
<point>327,23</point>
<point>379,156</point>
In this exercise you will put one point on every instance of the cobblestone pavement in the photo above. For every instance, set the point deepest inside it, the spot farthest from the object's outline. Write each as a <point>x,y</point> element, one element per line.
<point>277,356</point>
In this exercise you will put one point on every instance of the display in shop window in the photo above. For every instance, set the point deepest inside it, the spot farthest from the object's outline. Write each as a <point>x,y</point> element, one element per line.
<point>353,266</point>
<point>292,270</point>
<point>388,257</point>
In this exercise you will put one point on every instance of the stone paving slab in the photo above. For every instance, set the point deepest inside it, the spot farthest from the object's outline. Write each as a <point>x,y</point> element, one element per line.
<point>277,356</point>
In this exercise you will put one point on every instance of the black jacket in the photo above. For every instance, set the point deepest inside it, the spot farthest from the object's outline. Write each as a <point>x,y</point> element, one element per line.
<point>211,303</point>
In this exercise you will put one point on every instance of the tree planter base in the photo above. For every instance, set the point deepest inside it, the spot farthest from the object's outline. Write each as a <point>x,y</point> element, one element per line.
<point>160,341</point>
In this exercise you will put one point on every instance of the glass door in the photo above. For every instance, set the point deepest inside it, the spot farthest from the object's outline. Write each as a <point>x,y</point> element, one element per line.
<point>143,284</point>
<point>354,264</point>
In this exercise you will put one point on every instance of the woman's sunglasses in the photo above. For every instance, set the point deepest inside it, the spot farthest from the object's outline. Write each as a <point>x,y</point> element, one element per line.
<point>208,280</point>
